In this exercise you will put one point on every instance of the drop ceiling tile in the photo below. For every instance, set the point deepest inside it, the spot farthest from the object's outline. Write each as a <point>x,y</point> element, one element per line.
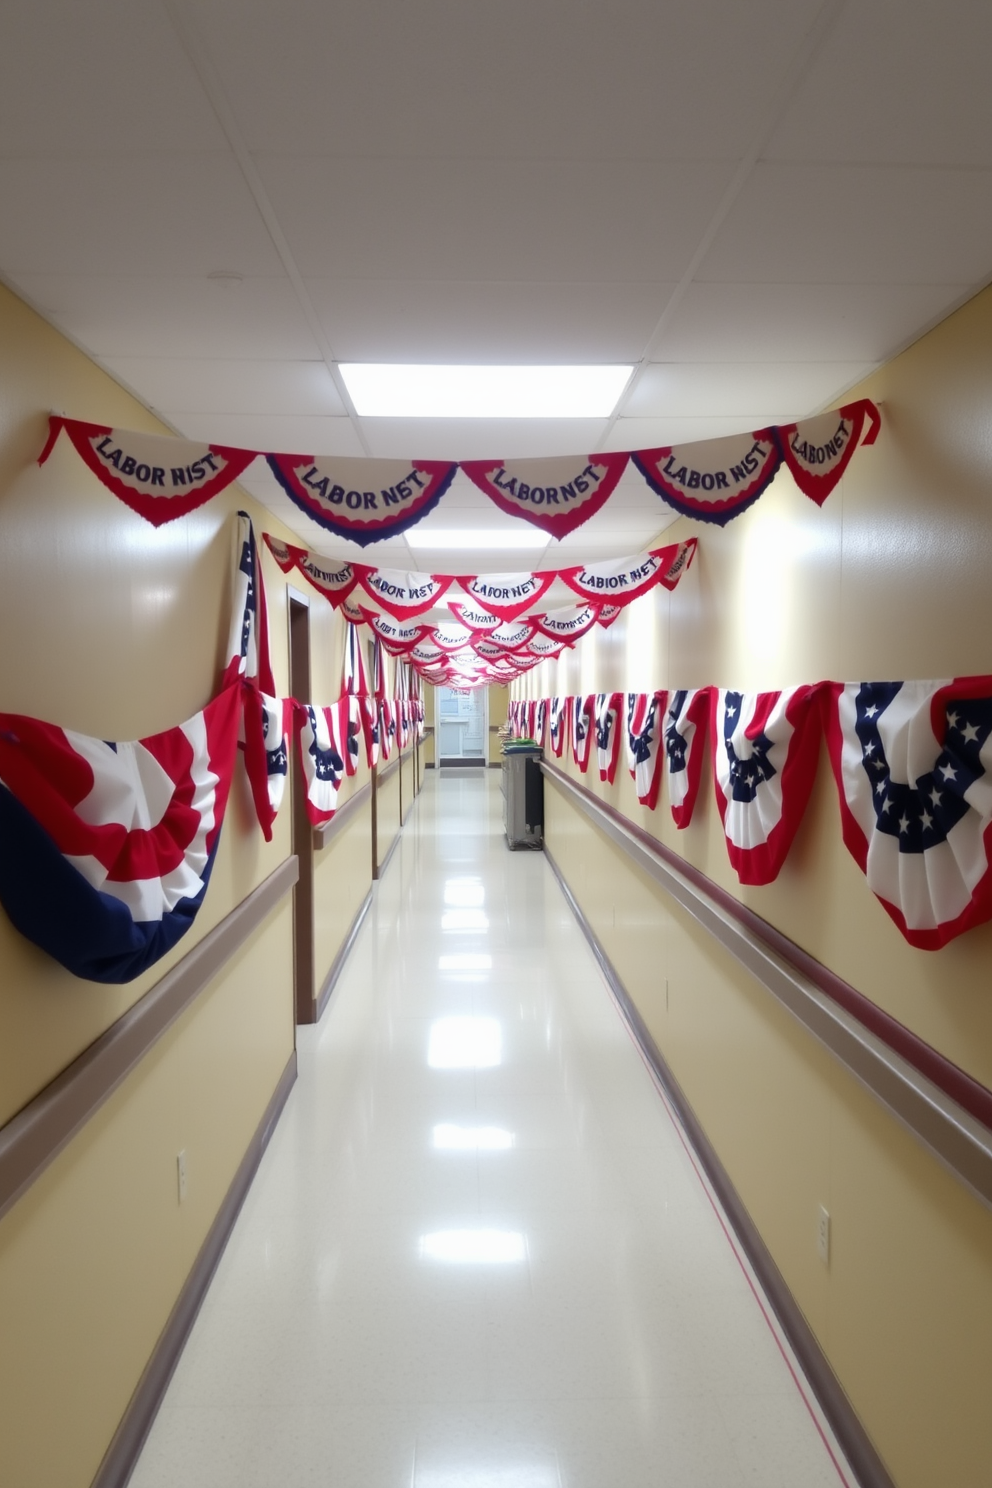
<point>369,320</point>
<point>212,386</point>
<point>650,433</point>
<point>106,77</point>
<point>161,214</point>
<point>124,315</point>
<point>763,390</point>
<point>792,322</point>
<point>681,80</point>
<point>896,83</point>
<point>840,224</point>
<point>480,439</point>
<point>286,434</point>
<point>556,220</point>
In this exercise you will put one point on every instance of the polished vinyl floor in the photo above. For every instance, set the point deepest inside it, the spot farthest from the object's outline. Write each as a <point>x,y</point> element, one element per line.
<point>478,1253</point>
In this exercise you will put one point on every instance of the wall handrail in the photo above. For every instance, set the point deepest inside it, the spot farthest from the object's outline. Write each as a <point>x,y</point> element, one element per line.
<point>32,1139</point>
<point>942,1105</point>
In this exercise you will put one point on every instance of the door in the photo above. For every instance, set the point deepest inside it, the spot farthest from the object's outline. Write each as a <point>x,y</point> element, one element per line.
<point>303,948</point>
<point>461,726</point>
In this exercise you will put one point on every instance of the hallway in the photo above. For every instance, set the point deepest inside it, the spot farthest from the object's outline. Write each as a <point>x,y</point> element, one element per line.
<point>477,1253</point>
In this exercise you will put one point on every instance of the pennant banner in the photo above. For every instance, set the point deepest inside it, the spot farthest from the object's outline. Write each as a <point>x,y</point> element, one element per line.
<point>507,595</point>
<point>557,494</point>
<point>544,646</point>
<point>685,742</point>
<point>398,636</point>
<point>557,725</point>
<point>624,579</point>
<point>765,751</point>
<point>402,595</point>
<point>332,579</point>
<point>473,616</point>
<point>156,475</point>
<point>645,716</point>
<point>819,450</point>
<point>913,764</point>
<point>362,500</point>
<point>507,637</point>
<point>366,500</point>
<point>714,479</point>
<point>566,626</point>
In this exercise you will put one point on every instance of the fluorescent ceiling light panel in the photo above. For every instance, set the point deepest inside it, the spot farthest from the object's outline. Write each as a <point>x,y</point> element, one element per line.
<point>384,390</point>
<point>478,537</point>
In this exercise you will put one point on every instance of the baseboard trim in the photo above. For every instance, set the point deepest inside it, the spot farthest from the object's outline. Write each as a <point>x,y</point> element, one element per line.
<point>337,965</point>
<point>122,1455</point>
<point>854,1439</point>
<point>392,848</point>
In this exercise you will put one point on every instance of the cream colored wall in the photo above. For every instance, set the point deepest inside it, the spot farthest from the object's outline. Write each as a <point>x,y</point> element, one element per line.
<point>499,702</point>
<point>93,1257</point>
<point>428,743</point>
<point>342,878</point>
<point>117,629</point>
<point>388,811</point>
<point>888,579</point>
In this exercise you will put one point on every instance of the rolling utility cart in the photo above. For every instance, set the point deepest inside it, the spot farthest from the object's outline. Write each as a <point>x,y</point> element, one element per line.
<point>523,797</point>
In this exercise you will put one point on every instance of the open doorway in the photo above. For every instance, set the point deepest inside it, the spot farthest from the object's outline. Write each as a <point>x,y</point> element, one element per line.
<point>462,726</point>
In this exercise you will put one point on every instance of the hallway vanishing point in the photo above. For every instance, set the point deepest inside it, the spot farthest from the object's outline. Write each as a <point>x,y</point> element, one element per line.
<point>478,1252</point>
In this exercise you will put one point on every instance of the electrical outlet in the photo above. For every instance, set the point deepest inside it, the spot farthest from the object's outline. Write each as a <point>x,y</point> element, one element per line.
<point>823,1235</point>
<point>181,1174</point>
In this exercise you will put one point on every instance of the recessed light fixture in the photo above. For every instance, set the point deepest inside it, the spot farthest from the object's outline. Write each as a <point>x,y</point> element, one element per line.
<point>478,537</point>
<point>386,390</point>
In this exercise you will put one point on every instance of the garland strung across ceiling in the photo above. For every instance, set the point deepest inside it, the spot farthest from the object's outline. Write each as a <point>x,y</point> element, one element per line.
<point>492,639</point>
<point>366,500</point>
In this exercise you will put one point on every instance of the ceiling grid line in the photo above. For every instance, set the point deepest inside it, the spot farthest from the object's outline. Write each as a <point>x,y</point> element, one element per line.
<point>211,83</point>
<point>826,19</point>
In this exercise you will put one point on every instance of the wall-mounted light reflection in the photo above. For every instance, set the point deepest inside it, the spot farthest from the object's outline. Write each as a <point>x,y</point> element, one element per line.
<point>450,1138</point>
<point>465,1043</point>
<point>464,893</point>
<point>473,1247</point>
<point>464,920</point>
<point>465,963</point>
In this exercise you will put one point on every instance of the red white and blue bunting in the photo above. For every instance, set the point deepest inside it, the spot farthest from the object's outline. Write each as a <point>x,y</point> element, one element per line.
<point>685,744</point>
<point>108,848</point>
<point>556,494</point>
<point>765,751</point>
<point>362,500</point>
<point>157,476</point>
<point>912,761</point>
<point>644,733</point>
<point>367,500</point>
<point>609,727</point>
<point>913,765</point>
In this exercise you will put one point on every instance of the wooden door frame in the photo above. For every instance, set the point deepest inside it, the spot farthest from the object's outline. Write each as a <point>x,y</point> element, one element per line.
<point>304,957</point>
